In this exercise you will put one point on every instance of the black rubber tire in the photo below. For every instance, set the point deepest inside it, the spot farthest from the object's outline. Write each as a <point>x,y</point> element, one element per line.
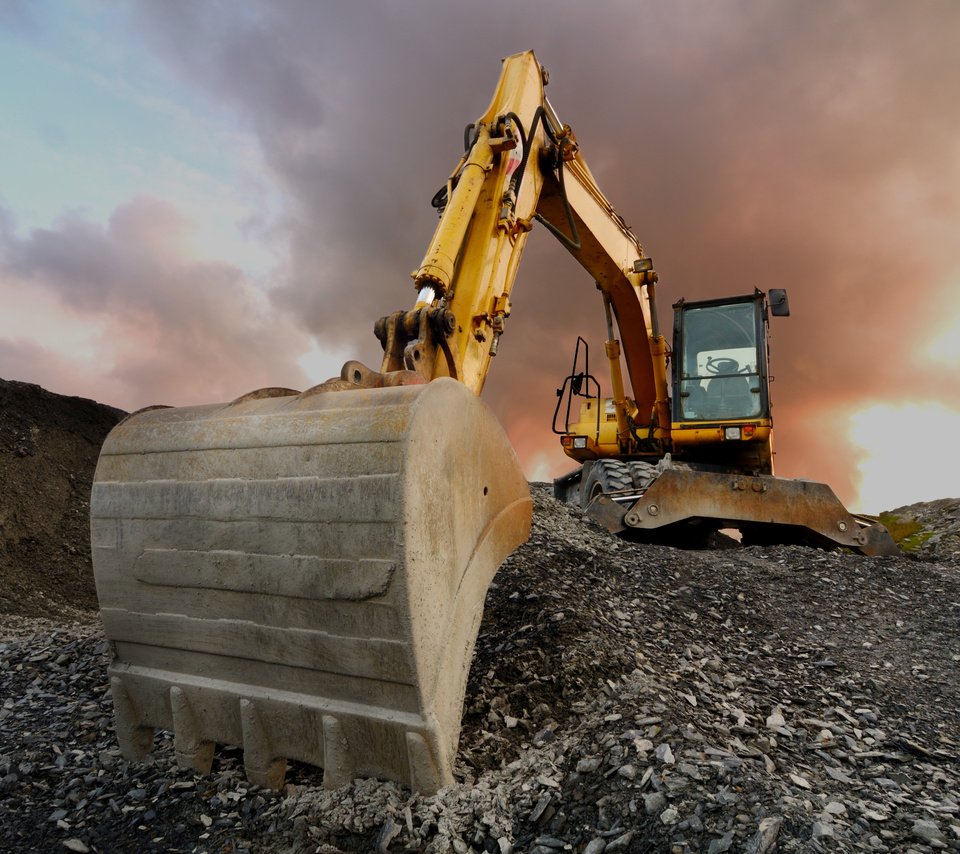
<point>643,474</point>
<point>604,476</point>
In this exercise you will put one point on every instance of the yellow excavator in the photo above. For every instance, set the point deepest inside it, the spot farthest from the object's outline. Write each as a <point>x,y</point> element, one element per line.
<point>302,574</point>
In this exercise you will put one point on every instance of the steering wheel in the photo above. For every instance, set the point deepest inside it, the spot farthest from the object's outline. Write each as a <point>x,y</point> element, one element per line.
<point>722,365</point>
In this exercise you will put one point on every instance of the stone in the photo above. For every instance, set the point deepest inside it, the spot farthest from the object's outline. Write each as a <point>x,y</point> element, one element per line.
<point>775,720</point>
<point>588,765</point>
<point>544,736</point>
<point>552,842</point>
<point>765,839</point>
<point>388,832</point>
<point>620,843</point>
<point>654,802</point>
<point>928,830</point>
<point>838,775</point>
<point>820,829</point>
<point>664,754</point>
<point>867,785</point>
<point>540,809</point>
<point>718,846</point>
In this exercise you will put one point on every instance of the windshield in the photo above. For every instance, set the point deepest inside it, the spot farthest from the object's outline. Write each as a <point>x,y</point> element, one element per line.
<point>719,374</point>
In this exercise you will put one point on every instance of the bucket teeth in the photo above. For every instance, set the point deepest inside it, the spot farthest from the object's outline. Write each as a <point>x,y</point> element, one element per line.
<point>192,751</point>
<point>136,739</point>
<point>262,767</point>
<point>425,773</point>
<point>337,761</point>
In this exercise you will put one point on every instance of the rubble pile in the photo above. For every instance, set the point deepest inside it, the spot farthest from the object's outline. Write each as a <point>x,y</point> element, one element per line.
<point>623,698</point>
<point>932,529</point>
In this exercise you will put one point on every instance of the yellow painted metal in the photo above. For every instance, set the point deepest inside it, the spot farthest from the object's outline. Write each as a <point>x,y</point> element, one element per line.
<point>659,351</point>
<point>486,256</point>
<point>438,264</point>
<point>299,573</point>
<point>483,231</point>
<point>684,435</point>
<point>612,349</point>
<point>304,574</point>
<point>608,251</point>
<point>603,436</point>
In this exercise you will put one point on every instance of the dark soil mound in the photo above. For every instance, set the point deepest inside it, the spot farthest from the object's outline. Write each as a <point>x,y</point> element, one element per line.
<point>48,452</point>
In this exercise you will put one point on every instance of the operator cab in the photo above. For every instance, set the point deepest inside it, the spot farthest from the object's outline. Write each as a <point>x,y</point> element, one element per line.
<point>717,372</point>
<point>720,378</point>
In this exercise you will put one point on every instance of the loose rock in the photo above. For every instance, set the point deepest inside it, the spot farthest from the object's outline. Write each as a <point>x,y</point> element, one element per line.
<point>578,731</point>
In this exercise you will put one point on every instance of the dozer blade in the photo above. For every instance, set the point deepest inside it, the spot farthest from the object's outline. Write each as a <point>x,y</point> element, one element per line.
<point>303,575</point>
<point>767,509</point>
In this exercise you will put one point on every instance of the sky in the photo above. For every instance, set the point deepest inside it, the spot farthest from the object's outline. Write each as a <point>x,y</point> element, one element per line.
<point>199,199</point>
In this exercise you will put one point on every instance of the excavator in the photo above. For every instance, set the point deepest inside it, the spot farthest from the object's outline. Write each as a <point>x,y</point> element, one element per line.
<point>302,574</point>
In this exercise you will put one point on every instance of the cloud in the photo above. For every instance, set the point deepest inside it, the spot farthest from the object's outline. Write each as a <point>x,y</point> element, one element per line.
<point>888,485</point>
<point>175,328</point>
<point>753,145</point>
<point>749,144</point>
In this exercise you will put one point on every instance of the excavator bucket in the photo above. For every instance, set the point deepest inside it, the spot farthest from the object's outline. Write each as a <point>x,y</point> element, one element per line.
<point>303,575</point>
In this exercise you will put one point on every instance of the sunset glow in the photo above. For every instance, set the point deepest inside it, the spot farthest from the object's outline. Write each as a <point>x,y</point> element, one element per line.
<point>907,454</point>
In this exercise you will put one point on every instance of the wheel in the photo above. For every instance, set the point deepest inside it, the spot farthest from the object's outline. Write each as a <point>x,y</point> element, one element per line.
<point>604,476</point>
<point>643,474</point>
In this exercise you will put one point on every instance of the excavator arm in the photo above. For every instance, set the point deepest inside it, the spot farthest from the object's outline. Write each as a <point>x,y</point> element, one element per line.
<point>522,164</point>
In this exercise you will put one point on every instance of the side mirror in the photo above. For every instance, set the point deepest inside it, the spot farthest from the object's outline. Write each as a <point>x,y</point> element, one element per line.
<point>779,307</point>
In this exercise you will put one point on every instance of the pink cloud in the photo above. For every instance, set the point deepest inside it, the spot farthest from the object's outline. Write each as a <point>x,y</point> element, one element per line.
<point>174,329</point>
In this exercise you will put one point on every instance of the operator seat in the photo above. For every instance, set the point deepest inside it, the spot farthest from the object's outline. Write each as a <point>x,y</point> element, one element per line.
<point>729,397</point>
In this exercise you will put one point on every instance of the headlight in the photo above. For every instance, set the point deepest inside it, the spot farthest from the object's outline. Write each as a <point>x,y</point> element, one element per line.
<point>731,432</point>
<point>579,441</point>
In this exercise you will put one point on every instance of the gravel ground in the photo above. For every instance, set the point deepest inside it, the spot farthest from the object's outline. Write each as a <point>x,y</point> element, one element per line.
<point>623,698</point>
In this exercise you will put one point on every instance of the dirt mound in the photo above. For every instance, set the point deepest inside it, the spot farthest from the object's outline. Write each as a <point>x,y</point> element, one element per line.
<point>48,452</point>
